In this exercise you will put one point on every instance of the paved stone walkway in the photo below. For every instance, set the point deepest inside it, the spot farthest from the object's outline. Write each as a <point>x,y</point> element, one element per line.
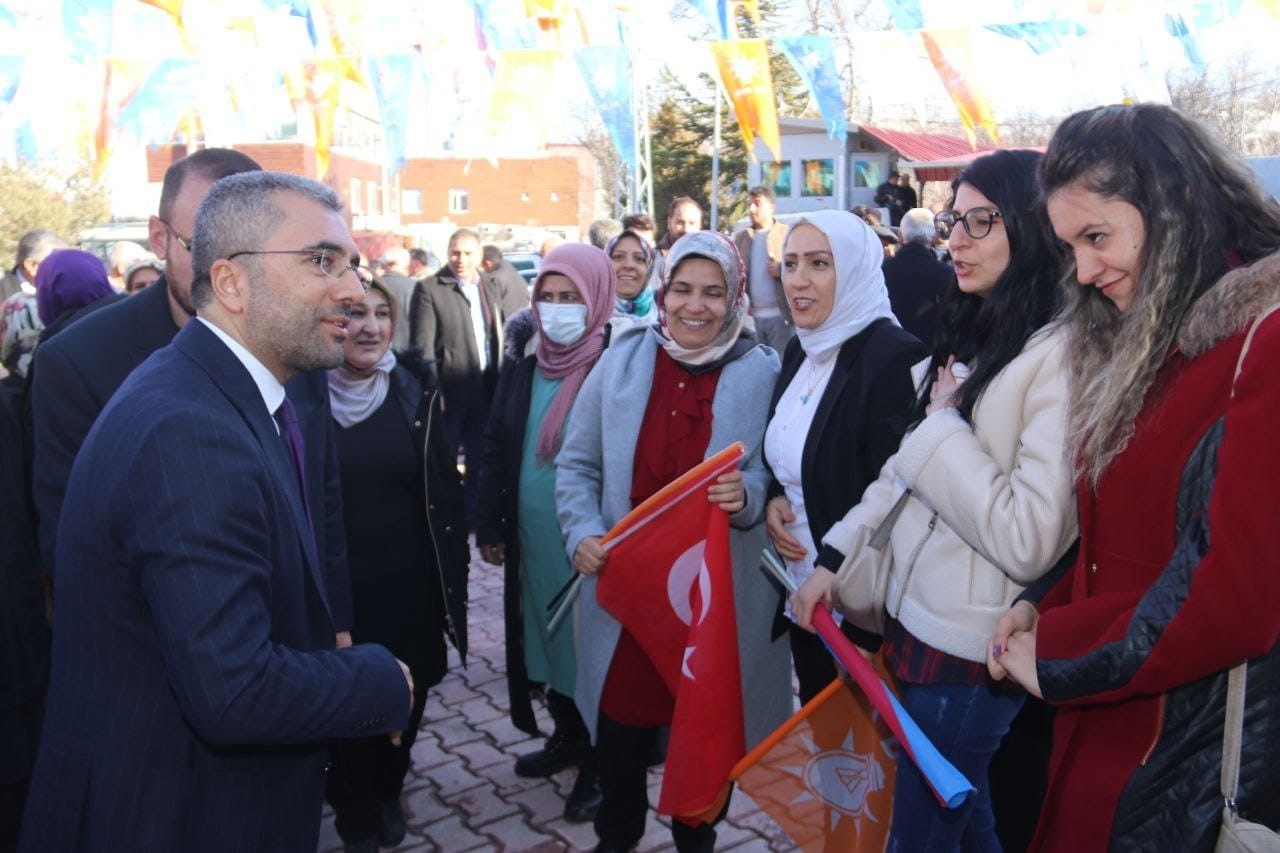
<point>462,792</point>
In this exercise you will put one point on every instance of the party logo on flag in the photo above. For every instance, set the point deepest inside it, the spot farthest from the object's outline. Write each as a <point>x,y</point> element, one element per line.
<point>744,71</point>
<point>826,775</point>
<point>843,779</point>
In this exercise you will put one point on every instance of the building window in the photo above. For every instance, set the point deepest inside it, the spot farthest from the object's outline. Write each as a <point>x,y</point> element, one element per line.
<point>778,176</point>
<point>819,178</point>
<point>555,196</point>
<point>459,201</point>
<point>355,197</point>
<point>867,174</point>
<point>375,200</point>
<point>411,201</point>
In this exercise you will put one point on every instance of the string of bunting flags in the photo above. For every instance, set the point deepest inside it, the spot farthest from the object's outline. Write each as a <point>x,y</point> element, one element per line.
<point>155,71</point>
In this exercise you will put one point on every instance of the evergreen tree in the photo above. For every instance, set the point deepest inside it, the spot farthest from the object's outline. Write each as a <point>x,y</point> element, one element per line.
<point>683,132</point>
<point>38,197</point>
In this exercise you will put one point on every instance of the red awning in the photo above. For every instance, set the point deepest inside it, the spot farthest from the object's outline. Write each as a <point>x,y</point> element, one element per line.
<point>950,152</point>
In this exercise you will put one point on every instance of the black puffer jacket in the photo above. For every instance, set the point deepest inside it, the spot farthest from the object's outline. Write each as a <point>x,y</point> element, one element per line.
<point>1172,800</point>
<point>499,490</point>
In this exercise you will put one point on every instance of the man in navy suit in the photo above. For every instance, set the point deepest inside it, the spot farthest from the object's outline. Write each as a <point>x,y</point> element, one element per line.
<point>76,372</point>
<point>195,679</point>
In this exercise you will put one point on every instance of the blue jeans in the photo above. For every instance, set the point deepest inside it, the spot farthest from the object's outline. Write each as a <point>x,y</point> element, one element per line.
<point>966,722</point>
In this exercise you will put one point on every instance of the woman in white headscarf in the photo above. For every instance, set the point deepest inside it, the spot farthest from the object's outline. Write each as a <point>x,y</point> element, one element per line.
<point>841,402</point>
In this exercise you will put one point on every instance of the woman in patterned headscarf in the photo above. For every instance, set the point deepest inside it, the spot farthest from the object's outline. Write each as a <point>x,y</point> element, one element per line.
<point>660,400</point>
<point>633,259</point>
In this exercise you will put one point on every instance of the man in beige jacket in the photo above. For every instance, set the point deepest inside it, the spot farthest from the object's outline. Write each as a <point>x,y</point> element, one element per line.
<point>760,246</point>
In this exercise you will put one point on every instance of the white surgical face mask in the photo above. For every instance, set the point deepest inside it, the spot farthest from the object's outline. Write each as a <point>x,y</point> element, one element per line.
<point>562,324</point>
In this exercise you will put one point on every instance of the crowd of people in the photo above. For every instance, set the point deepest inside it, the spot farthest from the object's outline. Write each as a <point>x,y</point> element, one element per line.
<point>1032,479</point>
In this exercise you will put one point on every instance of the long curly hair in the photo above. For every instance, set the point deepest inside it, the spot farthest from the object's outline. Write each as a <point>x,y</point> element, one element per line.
<point>1203,213</point>
<point>987,332</point>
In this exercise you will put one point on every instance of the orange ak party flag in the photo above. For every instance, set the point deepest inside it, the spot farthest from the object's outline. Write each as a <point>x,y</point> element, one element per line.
<point>670,584</point>
<point>744,71</point>
<point>826,775</point>
<point>951,52</point>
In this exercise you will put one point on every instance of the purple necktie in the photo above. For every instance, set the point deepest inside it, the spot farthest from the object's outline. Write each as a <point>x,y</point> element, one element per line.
<point>287,420</point>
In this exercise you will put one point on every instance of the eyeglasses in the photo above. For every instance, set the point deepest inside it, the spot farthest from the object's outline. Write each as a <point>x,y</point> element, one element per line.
<point>184,243</point>
<point>977,221</point>
<point>331,262</point>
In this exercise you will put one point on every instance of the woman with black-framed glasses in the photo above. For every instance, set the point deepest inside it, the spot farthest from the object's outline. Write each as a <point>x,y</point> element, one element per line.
<point>976,504</point>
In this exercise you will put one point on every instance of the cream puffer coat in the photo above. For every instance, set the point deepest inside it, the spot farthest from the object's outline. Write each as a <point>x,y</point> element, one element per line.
<point>990,509</point>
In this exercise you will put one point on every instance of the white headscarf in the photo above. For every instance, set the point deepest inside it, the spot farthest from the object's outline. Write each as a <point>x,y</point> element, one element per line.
<point>354,397</point>
<point>861,297</point>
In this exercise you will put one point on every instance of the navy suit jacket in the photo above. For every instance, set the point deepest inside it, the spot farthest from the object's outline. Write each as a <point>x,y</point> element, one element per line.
<point>76,372</point>
<point>916,280</point>
<point>194,677</point>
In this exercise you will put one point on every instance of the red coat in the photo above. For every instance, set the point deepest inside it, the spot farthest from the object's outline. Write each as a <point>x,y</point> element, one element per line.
<point>1113,656</point>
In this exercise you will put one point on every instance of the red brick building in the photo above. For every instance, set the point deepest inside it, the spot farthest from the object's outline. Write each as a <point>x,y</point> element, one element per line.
<point>554,191</point>
<point>369,195</point>
<point>518,198</point>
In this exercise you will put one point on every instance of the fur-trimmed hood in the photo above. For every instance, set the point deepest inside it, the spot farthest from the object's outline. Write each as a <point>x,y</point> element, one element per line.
<point>1230,305</point>
<point>520,334</point>
<point>416,363</point>
<point>413,360</point>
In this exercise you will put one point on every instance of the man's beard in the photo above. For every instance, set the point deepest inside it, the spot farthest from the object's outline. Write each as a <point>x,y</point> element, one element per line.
<point>298,343</point>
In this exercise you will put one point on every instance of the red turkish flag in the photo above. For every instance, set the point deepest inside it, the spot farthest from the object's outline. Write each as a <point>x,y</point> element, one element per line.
<point>669,582</point>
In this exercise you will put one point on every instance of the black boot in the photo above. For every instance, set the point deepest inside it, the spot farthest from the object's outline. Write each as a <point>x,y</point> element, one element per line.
<point>585,798</point>
<point>391,828</point>
<point>568,743</point>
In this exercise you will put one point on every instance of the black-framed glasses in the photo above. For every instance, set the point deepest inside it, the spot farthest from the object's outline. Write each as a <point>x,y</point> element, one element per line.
<point>184,242</point>
<point>977,221</point>
<point>331,262</point>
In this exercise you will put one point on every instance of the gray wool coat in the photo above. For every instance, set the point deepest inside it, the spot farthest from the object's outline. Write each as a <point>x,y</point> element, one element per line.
<point>593,492</point>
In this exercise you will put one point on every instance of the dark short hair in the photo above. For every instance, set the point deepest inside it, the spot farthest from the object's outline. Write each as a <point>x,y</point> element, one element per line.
<point>491,253</point>
<point>212,164</point>
<point>763,191</point>
<point>638,222</point>
<point>869,215</point>
<point>894,173</point>
<point>419,255</point>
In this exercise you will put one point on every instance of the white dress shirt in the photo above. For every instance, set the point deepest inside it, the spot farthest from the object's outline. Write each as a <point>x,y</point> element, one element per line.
<point>471,290</point>
<point>268,386</point>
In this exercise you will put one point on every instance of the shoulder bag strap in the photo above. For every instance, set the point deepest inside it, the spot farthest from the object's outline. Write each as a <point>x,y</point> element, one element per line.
<point>1232,735</point>
<point>1233,730</point>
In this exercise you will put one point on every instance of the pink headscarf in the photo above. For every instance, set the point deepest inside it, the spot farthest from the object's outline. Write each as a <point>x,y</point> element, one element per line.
<point>592,273</point>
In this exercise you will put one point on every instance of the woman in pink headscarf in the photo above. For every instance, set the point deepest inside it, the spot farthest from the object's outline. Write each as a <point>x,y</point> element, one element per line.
<point>550,348</point>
